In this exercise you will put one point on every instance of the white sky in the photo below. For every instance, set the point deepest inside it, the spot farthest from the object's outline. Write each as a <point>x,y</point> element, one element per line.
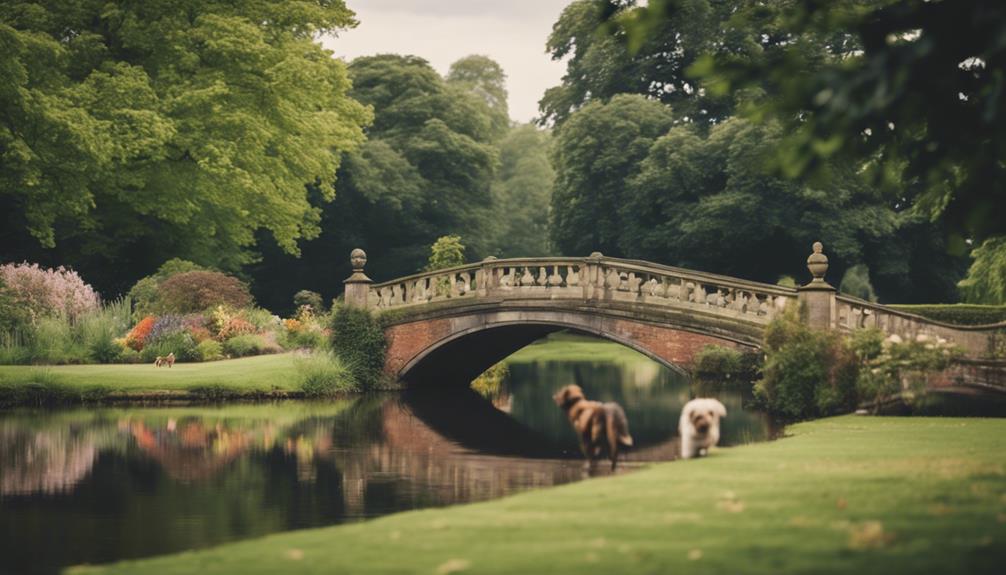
<point>512,32</point>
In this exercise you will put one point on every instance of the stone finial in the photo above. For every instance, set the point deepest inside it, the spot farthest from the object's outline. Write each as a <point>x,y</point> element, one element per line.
<point>358,258</point>
<point>817,263</point>
<point>596,255</point>
<point>489,259</point>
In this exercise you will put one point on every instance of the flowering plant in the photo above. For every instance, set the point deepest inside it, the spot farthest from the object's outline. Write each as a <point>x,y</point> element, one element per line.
<point>138,336</point>
<point>49,292</point>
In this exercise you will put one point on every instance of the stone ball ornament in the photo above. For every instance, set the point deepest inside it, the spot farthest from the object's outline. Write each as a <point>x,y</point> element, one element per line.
<point>358,259</point>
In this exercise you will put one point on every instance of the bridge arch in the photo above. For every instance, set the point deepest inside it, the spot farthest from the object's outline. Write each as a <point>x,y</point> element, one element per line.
<point>457,347</point>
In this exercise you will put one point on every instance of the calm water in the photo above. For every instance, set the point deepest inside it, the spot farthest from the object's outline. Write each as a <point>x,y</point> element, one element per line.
<point>97,485</point>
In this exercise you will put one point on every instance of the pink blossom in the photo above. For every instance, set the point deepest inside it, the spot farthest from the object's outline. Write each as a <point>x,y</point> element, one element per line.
<point>46,292</point>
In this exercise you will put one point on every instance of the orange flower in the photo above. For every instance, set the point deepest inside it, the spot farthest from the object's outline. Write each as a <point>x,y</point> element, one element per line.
<point>140,332</point>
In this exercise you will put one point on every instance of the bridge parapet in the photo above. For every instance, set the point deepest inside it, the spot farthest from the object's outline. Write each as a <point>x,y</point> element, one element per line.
<point>592,279</point>
<point>853,313</point>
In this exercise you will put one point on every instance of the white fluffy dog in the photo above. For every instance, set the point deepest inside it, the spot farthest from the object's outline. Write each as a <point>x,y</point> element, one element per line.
<point>699,426</point>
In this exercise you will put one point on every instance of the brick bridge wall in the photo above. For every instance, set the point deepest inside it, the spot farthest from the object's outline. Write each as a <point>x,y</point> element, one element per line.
<point>673,346</point>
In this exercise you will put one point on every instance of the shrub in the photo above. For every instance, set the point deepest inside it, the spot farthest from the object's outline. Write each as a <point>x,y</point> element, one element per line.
<point>137,337</point>
<point>718,361</point>
<point>324,374</point>
<point>959,314</point>
<point>179,343</point>
<point>196,291</point>
<point>43,292</point>
<point>262,319</point>
<point>807,372</point>
<point>14,317</point>
<point>309,298</point>
<point>244,345</point>
<point>144,293</point>
<point>856,282</point>
<point>305,339</point>
<point>209,350</point>
<point>234,327</point>
<point>986,279</point>
<point>446,252</point>
<point>900,367</point>
<point>129,355</point>
<point>358,340</point>
<point>166,325</point>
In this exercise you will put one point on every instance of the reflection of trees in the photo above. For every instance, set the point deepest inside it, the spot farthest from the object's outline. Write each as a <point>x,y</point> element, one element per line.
<point>45,461</point>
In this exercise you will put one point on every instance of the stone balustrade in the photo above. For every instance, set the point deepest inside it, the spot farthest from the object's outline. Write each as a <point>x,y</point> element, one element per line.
<point>595,278</point>
<point>853,313</point>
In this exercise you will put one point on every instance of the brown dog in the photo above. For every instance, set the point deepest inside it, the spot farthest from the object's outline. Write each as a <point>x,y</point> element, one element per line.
<point>168,360</point>
<point>599,425</point>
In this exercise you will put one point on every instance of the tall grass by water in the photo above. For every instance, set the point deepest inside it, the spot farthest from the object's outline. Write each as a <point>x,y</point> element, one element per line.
<point>89,338</point>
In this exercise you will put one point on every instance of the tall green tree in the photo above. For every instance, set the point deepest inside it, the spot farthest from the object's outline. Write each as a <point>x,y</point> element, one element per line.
<point>425,171</point>
<point>522,194</point>
<point>708,203</point>
<point>132,132</point>
<point>596,151</point>
<point>921,105</point>
<point>485,78</point>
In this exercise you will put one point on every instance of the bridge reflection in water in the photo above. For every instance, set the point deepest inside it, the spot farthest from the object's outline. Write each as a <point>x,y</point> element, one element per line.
<point>98,485</point>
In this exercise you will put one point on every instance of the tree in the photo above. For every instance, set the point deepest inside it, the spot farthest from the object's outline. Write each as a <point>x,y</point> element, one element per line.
<point>595,152</point>
<point>623,48</point>
<point>130,132</point>
<point>522,192</point>
<point>986,279</point>
<point>920,105</point>
<point>707,202</point>
<point>484,77</point>
<point>425,171</point>
<point>446,252</point>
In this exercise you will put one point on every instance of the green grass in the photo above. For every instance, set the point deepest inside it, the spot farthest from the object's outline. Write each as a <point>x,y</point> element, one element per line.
<point>842,495</point>
<point>226,378</point>
<point>563,346</point>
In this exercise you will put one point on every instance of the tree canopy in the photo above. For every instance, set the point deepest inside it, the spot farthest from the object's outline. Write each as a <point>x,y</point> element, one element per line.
<point>131,132</point>
<point>425,171</point>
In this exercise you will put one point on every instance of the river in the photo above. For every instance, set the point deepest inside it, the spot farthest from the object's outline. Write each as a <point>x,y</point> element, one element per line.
<point>93,485</point>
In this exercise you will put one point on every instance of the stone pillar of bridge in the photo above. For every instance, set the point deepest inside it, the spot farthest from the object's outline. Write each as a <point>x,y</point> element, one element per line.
<point>817,298</point>
<point>358,284</point>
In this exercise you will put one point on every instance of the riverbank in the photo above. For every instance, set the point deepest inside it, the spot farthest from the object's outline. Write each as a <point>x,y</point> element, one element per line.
<point>264,376</point>
<point>841,495</point>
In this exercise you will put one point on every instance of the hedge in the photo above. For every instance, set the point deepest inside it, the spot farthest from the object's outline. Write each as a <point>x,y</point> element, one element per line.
<point>959,314</point>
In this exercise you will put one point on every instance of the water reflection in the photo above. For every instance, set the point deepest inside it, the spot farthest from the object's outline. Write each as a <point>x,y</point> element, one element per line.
<point>98,485</point>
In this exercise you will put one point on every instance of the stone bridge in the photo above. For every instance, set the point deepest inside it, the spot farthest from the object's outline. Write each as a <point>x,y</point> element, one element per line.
<point>455,323</point>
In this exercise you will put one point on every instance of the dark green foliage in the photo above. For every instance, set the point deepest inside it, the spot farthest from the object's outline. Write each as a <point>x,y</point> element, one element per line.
<point>913,92</point>
<point>244,345</point>
<point>718,362</point>
<point>986,279</point>
<point>856,282</point>
<point>310,298</point>
<point>122,122</point>
<point>959,314</point>
<point>358,341</point>
<point>595,152</point>
<point>522,193</point>
<point>425,171</point>
<point>808,373</point>
<point>179,343</point>
<point>14,317</point>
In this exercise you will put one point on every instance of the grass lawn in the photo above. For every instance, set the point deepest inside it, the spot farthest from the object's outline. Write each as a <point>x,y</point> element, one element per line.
<point>841,495</point>
<point>247,375</point>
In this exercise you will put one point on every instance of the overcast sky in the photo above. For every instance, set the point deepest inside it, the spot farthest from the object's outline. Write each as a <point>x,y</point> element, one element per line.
<point>512,32</point>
